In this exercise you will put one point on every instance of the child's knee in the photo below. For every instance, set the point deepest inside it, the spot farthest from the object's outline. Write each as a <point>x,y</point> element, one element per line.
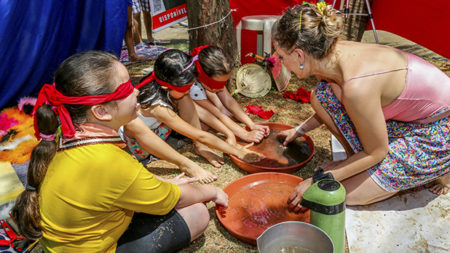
<point>202,215</point>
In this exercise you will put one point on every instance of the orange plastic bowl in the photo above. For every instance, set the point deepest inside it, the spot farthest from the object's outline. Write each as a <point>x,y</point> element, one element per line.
<point>256,202</point>
<point>255,167</point>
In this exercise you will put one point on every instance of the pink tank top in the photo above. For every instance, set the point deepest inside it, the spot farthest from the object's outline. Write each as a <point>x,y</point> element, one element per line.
<point>427,91</point>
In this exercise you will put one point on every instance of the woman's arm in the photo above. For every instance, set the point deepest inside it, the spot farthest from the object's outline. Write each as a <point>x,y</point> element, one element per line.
<point>291,134</point>
<point>363,105</point>
<point>364,108</point>
<point>171,119</point>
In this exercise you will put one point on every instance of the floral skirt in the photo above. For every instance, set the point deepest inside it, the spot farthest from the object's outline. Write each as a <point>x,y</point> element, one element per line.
<point>418,153</point>
<point>163,131</point>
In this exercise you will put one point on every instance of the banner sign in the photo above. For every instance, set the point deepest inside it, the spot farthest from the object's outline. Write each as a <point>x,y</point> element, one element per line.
<point>166,13</point>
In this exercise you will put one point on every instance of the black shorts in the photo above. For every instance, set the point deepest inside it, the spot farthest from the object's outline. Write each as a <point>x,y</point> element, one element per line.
<point>155,233</point>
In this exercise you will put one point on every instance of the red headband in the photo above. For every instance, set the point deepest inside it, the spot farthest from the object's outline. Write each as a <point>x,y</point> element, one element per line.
<point>202,76</point>
<point>152,77</point>
<point>49,95</point>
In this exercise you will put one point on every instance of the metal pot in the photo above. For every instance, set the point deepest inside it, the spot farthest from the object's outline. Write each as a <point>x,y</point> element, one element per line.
<point>294,236</point>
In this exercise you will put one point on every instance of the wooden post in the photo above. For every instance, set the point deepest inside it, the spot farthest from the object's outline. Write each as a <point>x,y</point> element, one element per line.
<point>221,34</point>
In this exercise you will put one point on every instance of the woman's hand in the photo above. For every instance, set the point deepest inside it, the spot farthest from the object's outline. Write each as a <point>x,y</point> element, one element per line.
<point>288,135</point>
<point>296,197</point>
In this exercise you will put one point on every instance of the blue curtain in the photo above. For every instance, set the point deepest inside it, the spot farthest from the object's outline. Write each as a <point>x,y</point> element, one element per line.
<point>37,35</point>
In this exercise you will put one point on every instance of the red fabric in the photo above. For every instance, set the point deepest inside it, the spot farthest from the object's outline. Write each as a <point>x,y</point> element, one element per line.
<point>302,95</point>
<point>253,109</point>
<point>152,77</point>
<point>258,7</point>
<point>202,76</point>
<point>197,50</point>
<point>49,95</point>
<point>421,21</point>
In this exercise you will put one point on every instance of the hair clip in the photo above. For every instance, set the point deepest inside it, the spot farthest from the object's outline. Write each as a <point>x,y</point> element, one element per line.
<point>321,6</point>
<point>300,18</point>
<point>195,58</point>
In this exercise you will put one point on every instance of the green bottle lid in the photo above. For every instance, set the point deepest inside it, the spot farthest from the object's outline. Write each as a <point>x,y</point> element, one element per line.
<point>325,196</point>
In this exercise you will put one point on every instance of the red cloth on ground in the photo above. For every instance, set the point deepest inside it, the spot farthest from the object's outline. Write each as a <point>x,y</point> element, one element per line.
<point>259,111</point>
<point>302,95</point>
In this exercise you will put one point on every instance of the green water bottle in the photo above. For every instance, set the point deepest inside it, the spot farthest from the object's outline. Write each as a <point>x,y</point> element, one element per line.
<point>326,200</point>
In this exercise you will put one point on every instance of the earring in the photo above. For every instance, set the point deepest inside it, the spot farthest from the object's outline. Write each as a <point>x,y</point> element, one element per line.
<point>301,66</point>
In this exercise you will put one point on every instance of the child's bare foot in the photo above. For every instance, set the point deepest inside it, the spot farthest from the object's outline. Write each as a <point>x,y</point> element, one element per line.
<point>196,171</point>
<point>440,185</point>
<point>209,155</point>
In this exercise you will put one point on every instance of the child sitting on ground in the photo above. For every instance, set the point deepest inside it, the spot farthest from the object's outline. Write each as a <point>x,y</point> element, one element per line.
<point>162,92</point>
<point>211,97</point>
<point>83,192</point>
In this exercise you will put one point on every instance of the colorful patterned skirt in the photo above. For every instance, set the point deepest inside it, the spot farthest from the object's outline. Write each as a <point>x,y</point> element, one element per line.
<point>163,132</point>
<point>418,153</point>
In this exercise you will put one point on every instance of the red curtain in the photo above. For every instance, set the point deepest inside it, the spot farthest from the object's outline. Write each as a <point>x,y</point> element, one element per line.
<point>426,22</point>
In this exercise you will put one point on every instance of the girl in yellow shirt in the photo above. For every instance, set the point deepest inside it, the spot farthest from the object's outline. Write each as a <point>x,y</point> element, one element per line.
<point>83,190</point>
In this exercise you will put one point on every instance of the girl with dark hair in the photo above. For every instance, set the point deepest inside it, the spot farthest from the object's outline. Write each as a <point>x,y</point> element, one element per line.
<point>215,105</point>
<point>389,109</point>
<point>82,189</point>
<point>162,92</point>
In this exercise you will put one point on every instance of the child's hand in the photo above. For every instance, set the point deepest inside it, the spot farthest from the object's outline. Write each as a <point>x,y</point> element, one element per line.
<point>221,198</point>
<point>181,179</point>
<point>250,156</point>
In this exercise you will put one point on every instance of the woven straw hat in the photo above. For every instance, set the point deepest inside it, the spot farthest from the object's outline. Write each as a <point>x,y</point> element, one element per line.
<point>253,81</point>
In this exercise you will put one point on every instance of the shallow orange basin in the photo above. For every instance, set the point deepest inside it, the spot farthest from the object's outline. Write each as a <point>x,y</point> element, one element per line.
<point>256,202</point>
<point>297,153</point>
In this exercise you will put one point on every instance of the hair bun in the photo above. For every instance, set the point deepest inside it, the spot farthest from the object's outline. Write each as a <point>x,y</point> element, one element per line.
<point>332,22</point>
